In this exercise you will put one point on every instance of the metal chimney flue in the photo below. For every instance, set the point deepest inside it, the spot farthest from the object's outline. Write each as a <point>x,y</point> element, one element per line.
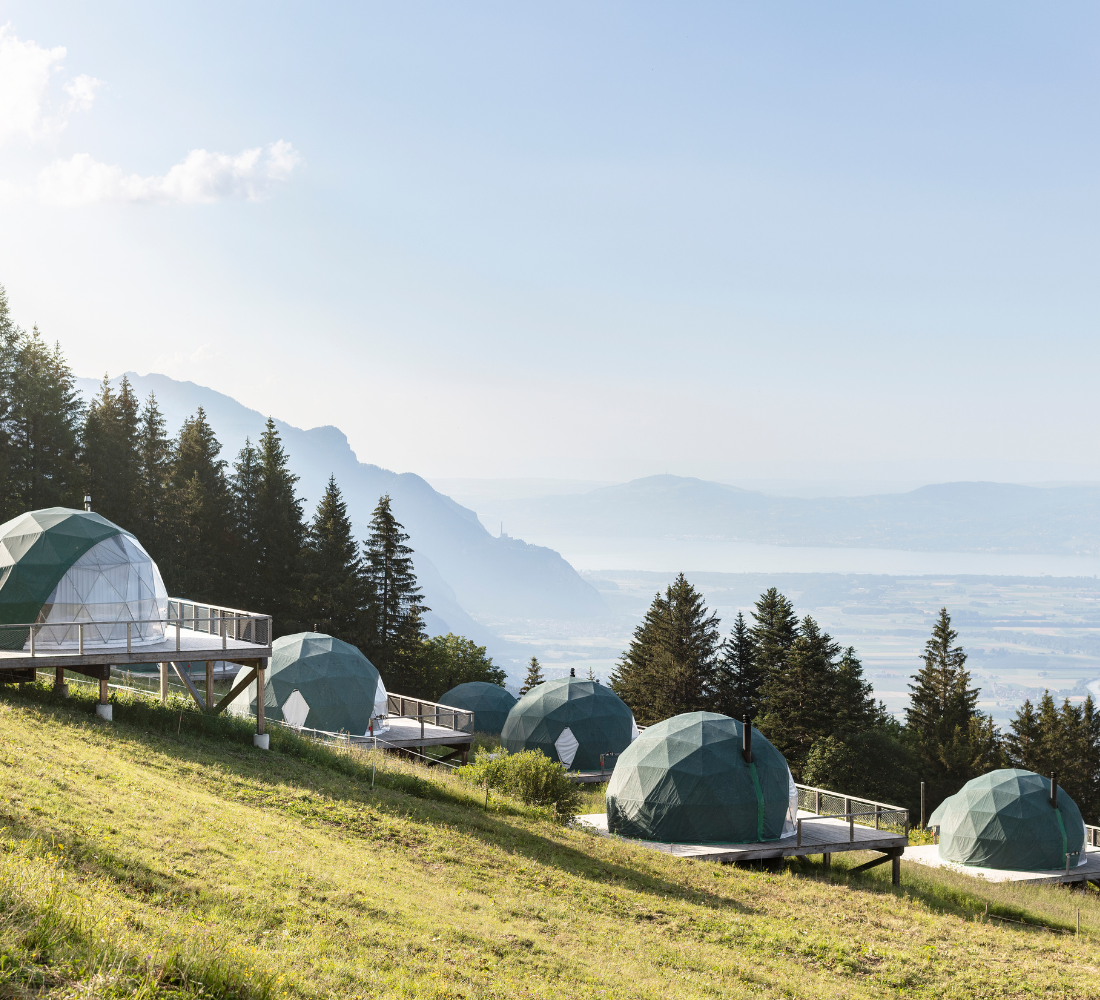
<point>87,502</point>
<point>746,739</point>
<point>1053,790</point>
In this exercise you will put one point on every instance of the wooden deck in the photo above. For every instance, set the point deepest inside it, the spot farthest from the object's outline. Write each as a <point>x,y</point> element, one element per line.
<point>820,835</point>
<point>928,854</point>
<point>191,645</point>
<point>403,733</point>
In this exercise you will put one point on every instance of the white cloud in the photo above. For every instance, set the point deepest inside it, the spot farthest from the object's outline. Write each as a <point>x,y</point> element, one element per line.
<point>25,72</point>
<point>201,177</point>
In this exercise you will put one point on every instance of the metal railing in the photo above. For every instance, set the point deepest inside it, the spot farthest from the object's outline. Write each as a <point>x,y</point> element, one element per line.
<point>835,805</point>
<point>1092,835</point>
<point>423,711</point>
<point>223,623</point>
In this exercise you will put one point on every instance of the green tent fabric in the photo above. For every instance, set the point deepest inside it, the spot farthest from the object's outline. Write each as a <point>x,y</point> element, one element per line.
<point>337,688</point>
<point>1004,820</point>
<point>570,720</point>
<point>490,704</point>
<point>36,550</point>
<point>684,781</point>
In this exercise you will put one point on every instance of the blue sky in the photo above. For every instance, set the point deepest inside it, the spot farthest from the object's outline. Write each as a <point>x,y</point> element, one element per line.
<point>585,240</point>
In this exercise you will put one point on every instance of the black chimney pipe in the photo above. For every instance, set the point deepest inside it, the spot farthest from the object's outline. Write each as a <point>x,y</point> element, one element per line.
<point>746,739</point>
<point>1053,790</point>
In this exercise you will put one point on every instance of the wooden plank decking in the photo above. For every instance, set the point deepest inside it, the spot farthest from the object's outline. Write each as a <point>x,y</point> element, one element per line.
<point>404,733</point>
<point>820,835</point>
<point>197,646</point>
<point>928,854</point>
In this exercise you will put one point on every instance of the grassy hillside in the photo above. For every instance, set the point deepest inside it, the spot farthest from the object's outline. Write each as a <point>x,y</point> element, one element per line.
<point>161,855</point>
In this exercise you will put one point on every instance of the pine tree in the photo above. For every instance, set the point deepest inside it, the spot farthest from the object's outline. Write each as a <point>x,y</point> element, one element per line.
<point>954,740</point>
<point>200,548</point>
<point>279,530</point>
<point>1065,741</point>
<point>42,429</point>
<point>799,700</point>
<point>10,335</point>
<point>336,598</point>
<point>152,504</point>
<point>671,663</point>
<point>534,676</point>
<point>774,633</point>
<point>739,675</point>
<point>396,603</point>
<point>244,488</point>
<point>854,705</point>
<point>111,453</point>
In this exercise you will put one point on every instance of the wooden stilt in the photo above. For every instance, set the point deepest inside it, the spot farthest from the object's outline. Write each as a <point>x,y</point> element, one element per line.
<point>103,691</point>
<point>896,879</point>
<point>209,683</point>
<point>260,672</point>
<point>163,682</point>
<point>826,861</point>
<point>59,685</point>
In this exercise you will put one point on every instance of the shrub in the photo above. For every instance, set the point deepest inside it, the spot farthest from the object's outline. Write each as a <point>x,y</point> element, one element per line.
<point>530,776</point>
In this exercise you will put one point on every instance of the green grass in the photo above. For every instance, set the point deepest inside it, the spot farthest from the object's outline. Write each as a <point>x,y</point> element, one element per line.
<point>162,855</point>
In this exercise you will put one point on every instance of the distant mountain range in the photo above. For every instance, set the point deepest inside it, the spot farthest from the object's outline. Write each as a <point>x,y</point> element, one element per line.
<point>949,517</point>
<point>462,568</point>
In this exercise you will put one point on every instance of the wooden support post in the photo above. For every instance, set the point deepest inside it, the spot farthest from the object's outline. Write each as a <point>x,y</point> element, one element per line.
<point>895,876</point>
<point>260,672</point>
<point>826,860</point>
<point>163,682</point>
<point>103,691</point>
<point>209,683</point>
<point>59,685</point>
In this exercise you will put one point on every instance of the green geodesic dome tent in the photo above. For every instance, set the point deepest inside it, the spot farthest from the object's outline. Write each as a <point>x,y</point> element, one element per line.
<point>1004,819</point>
<point>319,682</point>
<point>684,781</point>
<point>490,704</point>
<point>63,565</point>
<point>570,720</point>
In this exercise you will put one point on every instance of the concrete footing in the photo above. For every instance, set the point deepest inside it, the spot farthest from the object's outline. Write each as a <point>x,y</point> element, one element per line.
<point>262,740</point>
<point>105,712</point>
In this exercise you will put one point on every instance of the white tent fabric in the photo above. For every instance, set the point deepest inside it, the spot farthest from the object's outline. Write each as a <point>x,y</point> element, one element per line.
<point>634,731</point>
<point>567,746</point>
<point>381,708</point>
<point>114,581</point>
<point>790,825</point>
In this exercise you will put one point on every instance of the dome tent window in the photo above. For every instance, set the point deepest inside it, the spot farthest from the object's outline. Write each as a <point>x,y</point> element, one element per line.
<point>687,780</point>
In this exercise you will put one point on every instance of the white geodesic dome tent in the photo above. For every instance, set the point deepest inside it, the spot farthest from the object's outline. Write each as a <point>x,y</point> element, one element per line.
<point>60,566</point>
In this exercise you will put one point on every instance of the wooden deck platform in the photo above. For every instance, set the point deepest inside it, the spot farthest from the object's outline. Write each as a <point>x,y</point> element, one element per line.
<point>820,835</point>
<point>928,854</point>
<point>403,733</point>
<point>191,645</point>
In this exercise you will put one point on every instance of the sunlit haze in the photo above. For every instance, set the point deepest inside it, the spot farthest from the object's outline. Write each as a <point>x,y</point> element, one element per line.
<point>594,241</point>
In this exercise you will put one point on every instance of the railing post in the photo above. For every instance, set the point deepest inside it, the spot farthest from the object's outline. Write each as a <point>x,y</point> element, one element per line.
<point>178,633</point>
<point>32,640</point>
<point>851,828</point>
<point>128,636</point>
<point>877,810</point>
<point>80,639</point>
<point>817,801</point>
<point>798,823</point>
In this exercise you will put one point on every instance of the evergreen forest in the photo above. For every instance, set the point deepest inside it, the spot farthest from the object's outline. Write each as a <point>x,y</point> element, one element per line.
<point>229,533</point>
<point>809,697</point>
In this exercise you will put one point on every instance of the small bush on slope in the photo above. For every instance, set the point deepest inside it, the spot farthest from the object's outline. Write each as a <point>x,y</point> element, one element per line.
<point>529,776</point>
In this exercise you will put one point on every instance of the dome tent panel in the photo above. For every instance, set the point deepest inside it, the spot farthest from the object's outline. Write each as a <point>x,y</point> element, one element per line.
<point>340,686</point>
<point>1004,820</point>
<point>684,780</point>
<point>61,564</point>
<point>598,719</point>
<point>490,704</point>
